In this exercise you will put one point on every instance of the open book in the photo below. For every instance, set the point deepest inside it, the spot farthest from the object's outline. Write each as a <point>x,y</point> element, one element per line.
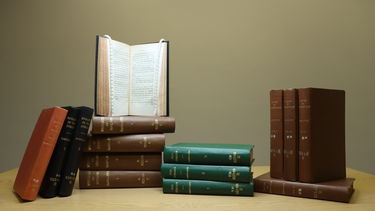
<point>131,80</point>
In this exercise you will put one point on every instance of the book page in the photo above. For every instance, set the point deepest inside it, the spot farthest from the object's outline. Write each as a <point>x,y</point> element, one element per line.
<point>145,79</point>
<point>119,77</point>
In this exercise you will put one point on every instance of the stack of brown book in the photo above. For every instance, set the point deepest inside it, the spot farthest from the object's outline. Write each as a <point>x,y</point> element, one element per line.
<point>307,145</point>
<point>124,151</point>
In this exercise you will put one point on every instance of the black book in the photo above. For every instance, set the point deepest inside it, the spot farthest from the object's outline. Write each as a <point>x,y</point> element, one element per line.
<point>72,161</point>
<point>52,177</point>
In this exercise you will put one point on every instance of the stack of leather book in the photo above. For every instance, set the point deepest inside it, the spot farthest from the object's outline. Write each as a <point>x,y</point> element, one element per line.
<point>307,145</point>
<point>124,151</point>
<point>213,169</point>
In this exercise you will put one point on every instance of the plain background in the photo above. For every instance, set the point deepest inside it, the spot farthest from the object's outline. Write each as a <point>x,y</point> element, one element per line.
<point>225,57</point>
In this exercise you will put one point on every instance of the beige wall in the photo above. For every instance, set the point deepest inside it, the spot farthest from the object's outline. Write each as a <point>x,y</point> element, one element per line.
<point>225,57</point>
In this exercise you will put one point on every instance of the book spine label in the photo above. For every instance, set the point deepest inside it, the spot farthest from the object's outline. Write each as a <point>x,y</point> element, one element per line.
<point>207,172</point>
<point>123,161</point>
<point>291,135</point>
<point>70,169</point>
<point>51,179</point>
<point>277,148</point>
<point>305,160</point>
<point>132,125</point>
<point>125,143</point>
<point>211,156</point>
<point>207,187</point>
<point>304,190</point>
<point>119,179</point>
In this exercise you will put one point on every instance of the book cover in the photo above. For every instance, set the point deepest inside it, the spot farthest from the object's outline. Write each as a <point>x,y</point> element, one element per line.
<point>51,179</point>
<point>321,135</point>
<point>73,156</point>
<point>207,172</point>
<point>212,154</point>
<point>119,179</point>
<point>132,125</point>
<point>334,190</point>
<point>181,186</point>
<point>277,136</point>
<point>125,143</point>
<point>38,153</point>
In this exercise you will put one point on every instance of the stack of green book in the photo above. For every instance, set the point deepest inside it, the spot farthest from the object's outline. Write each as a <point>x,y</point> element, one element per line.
<point>217,169</point>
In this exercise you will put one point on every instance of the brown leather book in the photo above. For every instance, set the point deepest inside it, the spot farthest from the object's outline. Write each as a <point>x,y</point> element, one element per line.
<point>38,153</point>
<point>290,135</point>
<point>335,190</point>
<point>121,161</point>
<point>132,125</point>
<point>119,179</point>
<point>277,148</point>
<point>125,143</point>
<point>321,135</point>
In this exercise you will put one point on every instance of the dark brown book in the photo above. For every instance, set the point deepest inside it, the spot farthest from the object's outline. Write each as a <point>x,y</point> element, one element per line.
<point>277,148</point>
<point>38,153</point>
<point>291,135</point>
<point>125,143</point>
<point>335,190</point>
<point>121,161</point>
<point>321,135</point>
<point>119,179</point>
<point>132,125</point>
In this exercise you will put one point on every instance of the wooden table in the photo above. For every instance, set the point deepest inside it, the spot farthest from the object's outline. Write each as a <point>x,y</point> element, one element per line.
<point>153,198</point>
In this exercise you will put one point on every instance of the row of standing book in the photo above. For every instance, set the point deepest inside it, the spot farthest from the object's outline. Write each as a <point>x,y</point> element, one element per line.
<point>307,145</point>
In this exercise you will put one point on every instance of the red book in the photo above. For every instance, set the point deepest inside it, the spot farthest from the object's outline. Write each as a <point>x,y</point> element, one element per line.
<point>38,153</point>
<point>277,137</point>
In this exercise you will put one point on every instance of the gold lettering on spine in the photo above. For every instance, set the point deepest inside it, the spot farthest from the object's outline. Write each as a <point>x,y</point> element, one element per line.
<point>88,181</point>
<point>107,178</point>
<point>189,156</point>
<point>108,144</point>
<point>234,157</point>
<point>106,161</point>
<point>234,176</point>
<point>174,171</point>
<point>189,187</point>
<point>156,124</point>
<point>97,178</point>
<point>176,157</point>
<point>142,160</point>
<point>101,124</point>
<point>121,124</point>
<point>187,172</point>
<point>110,124</point>
<point>176,190</point>
<point>96,161</point>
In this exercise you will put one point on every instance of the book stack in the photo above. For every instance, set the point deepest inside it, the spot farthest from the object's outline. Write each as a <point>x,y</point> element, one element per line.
<point>51,159</point>
<point>307,145</point>
<point>124,152</point>
<point>214,169</point>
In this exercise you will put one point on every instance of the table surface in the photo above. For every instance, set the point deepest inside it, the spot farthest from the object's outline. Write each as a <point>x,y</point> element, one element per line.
<point>154,199</point>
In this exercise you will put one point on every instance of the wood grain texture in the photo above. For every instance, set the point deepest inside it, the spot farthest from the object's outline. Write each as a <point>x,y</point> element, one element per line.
<point>153,198</point>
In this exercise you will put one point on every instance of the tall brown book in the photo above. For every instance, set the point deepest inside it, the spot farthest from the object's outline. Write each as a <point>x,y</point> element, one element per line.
<point>290,170</point>
<point>321,135</point>
<point>277,148</point>
<point>334,190</point>
<point>38,153</point>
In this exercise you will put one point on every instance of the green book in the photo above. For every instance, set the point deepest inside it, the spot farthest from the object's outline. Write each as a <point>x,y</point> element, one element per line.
<point>207,172</point>
<point>207,187</point>
<point>212,154</point>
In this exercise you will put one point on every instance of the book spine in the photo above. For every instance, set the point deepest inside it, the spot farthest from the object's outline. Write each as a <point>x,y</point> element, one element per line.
<point>119,179</point>
<point>277,142</point>
<point>121,161</point>
<point>38,153</point>
<point>290,171</point>
<point>125,143</point>
<point>211,156</point>
<point>303,190</point>
<point>132,125</point>
<point>69,171</point>
<point>207,187</point>
<point>207,172</point>
<point>305,161</point>
<point>51,179</point>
